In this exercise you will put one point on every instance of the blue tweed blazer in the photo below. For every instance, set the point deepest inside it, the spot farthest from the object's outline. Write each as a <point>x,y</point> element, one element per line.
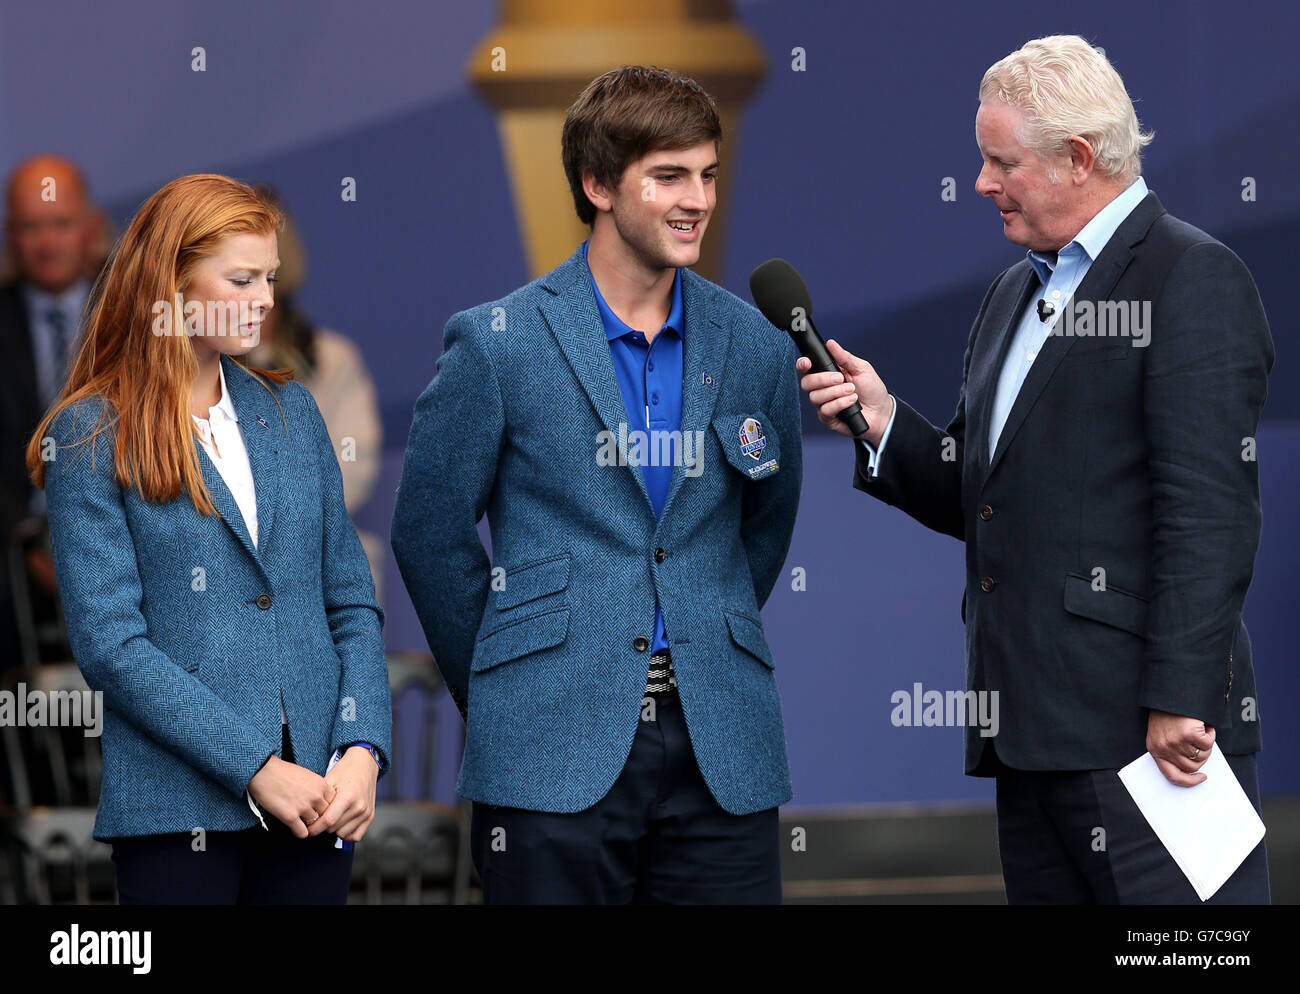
<point>194,635</point>
<point>547,653</point>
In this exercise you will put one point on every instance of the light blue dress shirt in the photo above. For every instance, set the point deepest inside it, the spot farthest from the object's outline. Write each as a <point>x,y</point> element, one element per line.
<point>1059,280</point>
<point>39,304</point>
<point>49,377</point>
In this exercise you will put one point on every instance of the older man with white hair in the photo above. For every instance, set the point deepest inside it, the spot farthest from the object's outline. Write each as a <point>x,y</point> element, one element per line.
<point>1101,470</point>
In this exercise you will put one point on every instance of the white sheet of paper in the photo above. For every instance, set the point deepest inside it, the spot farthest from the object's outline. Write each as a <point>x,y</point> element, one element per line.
<point>1208,829</point>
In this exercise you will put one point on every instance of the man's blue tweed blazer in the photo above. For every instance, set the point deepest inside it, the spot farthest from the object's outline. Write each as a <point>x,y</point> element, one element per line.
<point>546,654</point>
<point>194,636</point>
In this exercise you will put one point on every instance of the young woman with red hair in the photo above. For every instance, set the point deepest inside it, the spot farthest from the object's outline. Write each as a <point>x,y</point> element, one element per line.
<point>215,589</point>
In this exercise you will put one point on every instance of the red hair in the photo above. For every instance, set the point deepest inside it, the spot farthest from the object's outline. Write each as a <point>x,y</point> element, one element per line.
<point>147,378</point>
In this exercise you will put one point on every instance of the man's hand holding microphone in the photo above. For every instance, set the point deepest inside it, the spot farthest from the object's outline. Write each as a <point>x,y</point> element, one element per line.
<point>834,392</point>
<point>850,397</point>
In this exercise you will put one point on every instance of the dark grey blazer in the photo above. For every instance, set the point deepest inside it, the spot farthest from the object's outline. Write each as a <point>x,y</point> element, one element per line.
<point>1137,461</point>
<point>20,406</point>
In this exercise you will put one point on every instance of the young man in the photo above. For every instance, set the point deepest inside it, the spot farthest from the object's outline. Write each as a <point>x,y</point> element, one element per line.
<point>632,432</point>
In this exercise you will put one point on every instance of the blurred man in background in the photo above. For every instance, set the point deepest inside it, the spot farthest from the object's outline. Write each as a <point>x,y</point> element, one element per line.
<point>329,364</point>
<point>55,242</point>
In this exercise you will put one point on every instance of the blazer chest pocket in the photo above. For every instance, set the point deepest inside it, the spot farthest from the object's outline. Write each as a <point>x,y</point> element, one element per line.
<point>1117,608</point>
<point>521,638</point>
<point>533,580</point>
<point>1087,351</point>
<point>749,443</point>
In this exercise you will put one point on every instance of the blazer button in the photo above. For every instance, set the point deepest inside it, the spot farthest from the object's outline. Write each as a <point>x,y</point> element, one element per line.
<point>987,584</point>
<point>640,643</point>
<point>660,555</point>
<point>263,601</point>
<point>986,512</point>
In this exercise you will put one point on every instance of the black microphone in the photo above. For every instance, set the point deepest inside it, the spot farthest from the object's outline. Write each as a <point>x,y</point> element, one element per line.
<point>782,295</point>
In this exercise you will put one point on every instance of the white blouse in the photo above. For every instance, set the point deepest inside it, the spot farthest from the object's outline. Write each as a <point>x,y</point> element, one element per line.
<point>222,441</point>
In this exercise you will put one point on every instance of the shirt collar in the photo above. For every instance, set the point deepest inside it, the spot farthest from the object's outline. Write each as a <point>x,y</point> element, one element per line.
<point>69,301</point>
<point>614,326</point>
<point>1094,235</point>
<point>225,405</point>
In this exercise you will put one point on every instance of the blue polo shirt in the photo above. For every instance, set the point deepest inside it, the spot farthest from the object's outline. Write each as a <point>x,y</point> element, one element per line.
<point>650,380</point>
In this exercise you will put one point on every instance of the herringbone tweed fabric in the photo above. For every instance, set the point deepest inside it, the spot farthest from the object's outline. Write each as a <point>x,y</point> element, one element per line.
<point>195,636</point>
<point>548,658</point>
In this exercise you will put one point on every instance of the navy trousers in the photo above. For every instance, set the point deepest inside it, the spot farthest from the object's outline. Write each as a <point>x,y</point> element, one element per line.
<point>1053,853</point>
<point>657,837</point>
<point>254,866</point>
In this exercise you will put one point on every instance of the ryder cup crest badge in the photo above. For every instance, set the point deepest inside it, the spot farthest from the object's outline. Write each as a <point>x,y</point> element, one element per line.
<point>752,440</point>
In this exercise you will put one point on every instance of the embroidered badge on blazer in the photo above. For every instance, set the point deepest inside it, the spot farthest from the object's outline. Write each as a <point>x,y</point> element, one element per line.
<point>752,443</point>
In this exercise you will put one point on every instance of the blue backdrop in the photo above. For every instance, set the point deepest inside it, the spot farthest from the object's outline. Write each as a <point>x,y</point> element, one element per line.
<point>838,168</point>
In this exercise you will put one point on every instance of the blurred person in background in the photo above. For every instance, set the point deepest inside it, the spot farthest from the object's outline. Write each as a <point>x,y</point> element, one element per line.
<point>55,243</point>
<point>333,369</point>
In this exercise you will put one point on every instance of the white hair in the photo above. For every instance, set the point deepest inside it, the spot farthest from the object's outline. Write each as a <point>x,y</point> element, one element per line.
<point>1066,87</point>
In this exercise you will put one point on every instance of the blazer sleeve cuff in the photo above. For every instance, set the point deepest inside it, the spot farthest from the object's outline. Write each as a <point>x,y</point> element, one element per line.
<point>1186,690</point>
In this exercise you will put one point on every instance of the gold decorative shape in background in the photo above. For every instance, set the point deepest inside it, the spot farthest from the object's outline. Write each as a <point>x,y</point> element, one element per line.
<point>553,48</point>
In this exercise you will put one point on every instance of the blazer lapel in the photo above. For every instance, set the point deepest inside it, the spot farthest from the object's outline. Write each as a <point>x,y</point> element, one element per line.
<point>261,425</point>
<point>574,319</point>
<point>1097,285</point>
<point>224,501</point>
<point>706,342</point>
<point>982,382</point>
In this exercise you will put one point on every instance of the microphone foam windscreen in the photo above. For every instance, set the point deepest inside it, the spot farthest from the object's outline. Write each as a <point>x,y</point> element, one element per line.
<point>777,289</point>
